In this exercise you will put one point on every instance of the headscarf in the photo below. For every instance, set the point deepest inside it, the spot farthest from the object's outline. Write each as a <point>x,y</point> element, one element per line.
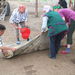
<point>47,8</point>
<point>56,7</point>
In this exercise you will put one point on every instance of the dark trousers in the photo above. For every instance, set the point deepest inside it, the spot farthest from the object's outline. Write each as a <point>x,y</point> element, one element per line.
<point>70,32</point>
<point>55,42</point>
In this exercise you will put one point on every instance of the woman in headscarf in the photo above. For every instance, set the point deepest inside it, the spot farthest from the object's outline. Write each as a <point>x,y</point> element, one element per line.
<point>56,29</point>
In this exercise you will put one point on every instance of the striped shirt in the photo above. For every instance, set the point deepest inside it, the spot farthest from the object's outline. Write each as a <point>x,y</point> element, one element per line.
<point>17,17</point>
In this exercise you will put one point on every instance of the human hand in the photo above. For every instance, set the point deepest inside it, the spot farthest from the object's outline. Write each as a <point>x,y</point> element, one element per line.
<point>6,51</point>
<point>7,48</point>
<point>42,33</point>
<point>26,26</point>
<point>15,26</point>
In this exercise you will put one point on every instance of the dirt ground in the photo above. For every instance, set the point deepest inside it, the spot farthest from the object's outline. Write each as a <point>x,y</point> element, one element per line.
<point>36,63</point>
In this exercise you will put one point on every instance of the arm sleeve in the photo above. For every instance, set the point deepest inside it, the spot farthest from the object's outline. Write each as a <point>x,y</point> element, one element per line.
<point>12,18</point>
<point>44,24</point>
<point>61,14</point>
<point>26,16</point>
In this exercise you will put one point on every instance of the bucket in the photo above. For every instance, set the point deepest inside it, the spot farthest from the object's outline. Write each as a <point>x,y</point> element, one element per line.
<point>25,32</point>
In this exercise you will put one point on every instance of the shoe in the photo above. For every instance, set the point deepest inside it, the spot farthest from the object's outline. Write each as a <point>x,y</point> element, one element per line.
<point>67,51</point>
<point>28,39</point>
<point>18,42</point>
<point>63,52</point>
<point>51,57</point>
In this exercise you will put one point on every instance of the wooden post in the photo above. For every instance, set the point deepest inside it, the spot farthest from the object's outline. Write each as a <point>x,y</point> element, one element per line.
<point>70,3</point>
<point>36,8</point>
<point>74,4</point>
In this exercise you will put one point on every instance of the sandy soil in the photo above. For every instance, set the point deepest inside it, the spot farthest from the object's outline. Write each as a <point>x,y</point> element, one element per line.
<point>36,63</point>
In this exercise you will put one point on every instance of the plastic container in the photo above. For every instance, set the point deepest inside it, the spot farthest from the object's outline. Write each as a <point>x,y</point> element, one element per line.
<point>25,32</point>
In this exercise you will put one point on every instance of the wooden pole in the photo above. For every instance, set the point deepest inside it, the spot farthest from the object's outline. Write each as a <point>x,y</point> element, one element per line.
<point>70,3</point>
<point>74,4</point>
<point>36,8</point>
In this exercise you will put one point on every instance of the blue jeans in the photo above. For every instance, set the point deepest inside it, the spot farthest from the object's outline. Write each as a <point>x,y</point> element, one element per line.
<point>55,42</point>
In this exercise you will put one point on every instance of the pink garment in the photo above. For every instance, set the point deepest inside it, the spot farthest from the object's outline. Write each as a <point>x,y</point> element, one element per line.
<point>68,14</point>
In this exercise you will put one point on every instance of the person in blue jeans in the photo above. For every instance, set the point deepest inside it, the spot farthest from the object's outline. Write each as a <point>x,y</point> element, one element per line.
<point>56,29</point>
<point>55,42</point>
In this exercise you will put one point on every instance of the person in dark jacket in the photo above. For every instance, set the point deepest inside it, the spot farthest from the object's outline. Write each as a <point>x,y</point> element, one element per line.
<point>62,3</point>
